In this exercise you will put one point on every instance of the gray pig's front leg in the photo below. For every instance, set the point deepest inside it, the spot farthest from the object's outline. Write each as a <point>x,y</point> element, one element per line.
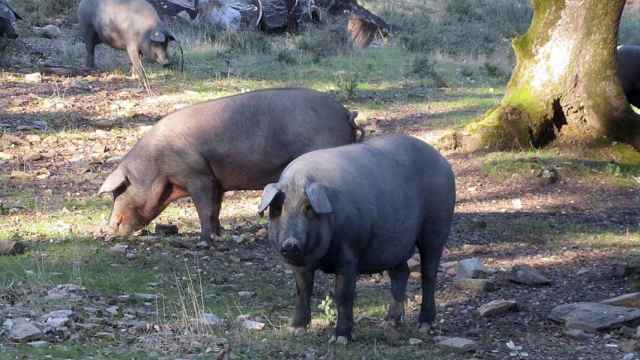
<point>205,198</point>
<point>345,293</point>
<point>304,289</point>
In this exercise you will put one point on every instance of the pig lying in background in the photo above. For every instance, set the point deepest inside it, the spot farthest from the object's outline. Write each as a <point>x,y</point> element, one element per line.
<point>131,25</point>
<point>362,209</point>
<point>628,61</point>
<point>239,142</point>
<point>8,18</point>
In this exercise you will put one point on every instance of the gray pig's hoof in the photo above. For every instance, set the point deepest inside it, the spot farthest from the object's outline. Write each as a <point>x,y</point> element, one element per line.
<point>341,340</point>
<point>297,330</point>
<point>424,328</point>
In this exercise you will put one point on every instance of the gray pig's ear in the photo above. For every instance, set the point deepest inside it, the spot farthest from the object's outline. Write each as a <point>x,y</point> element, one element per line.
<point>158,36</point>
<point>116,179</point>
<point>268,194</point>
<point>318,199</point>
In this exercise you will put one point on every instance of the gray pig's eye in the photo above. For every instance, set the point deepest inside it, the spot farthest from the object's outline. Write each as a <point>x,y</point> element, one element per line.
<point>308,212</point>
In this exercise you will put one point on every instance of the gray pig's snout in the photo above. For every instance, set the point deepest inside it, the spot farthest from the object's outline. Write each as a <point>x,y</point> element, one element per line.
<point>290,248</point>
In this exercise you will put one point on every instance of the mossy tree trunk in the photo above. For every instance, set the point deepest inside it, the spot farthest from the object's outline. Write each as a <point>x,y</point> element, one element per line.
<point>564,87</point>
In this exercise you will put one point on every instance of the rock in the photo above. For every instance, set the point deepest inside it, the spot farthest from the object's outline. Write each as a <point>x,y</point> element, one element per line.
<point>66,291</point>
<point>104,124</point>
<point>626,300</point>
<point>526,275</point>
<point>262,233</point>
<point>76,158</point>
<point>414,341</point>
<point>35,156</point>
<point>253,325</point>
<point>471,269</point>
<point>38,344</point>
<point>593,317</point>
<point>166,229</point>
<point>105,335</point>
<point>5,156</point>
<point>628,269</point>
<point>629,346</point>
<point>456,344</point>
<point>9,247</point>
<point>497,307</point>
<point>246,294</point>
<point>628,331</point>
<point>113,310</point>
<point>49,31</point>
<point>629,356</point>
<point>118,249</point>
<point>22,330</point>
<point>57,319</point>
<point>211,320</point>
<point>145,297</point>
<point>577,334</point>
<point>33,78</point>
<point>477,285</point>
<point>414,264</point>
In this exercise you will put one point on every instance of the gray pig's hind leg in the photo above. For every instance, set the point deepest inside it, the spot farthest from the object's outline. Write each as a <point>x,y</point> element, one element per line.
<point>90,42</point>
<point>399,276</point>
<point>430,246</point>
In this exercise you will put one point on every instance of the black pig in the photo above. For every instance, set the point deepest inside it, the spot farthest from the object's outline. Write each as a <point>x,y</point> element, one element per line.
<point>362,209</point>
<point>8,18</point>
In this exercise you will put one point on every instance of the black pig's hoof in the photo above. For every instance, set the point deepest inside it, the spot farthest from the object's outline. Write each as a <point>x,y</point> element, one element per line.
<point>297,330</point>
<point>341,340</point>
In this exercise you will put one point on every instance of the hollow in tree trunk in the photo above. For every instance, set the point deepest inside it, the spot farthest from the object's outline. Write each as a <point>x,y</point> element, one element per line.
<point>564,87</point>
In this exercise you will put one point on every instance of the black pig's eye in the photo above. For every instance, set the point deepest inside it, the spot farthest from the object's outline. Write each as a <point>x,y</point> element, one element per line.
<point>308,211</point>
<point>275,210</point>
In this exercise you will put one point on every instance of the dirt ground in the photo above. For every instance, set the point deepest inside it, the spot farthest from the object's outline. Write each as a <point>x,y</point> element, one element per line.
<point>574,230</point>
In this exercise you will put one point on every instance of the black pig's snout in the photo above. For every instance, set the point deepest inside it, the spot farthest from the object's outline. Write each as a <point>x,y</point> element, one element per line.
<point>290,248</point>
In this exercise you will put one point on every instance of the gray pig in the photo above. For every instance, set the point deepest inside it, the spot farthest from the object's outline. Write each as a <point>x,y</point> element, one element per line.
<point>362,209</point>
<point>239,142</point>
<point>628,59</point>
<point>8,18</point>
<point>131,25</point>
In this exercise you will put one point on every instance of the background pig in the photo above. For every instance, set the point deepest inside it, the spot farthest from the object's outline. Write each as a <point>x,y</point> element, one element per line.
<point>239,142</point>
<point>362,208</point>
<point>628,59</point>
<point>8,18</point>
<point>131,25</point>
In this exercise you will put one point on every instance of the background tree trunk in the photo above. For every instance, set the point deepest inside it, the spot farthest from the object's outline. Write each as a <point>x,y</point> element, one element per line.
<point>564,87</point>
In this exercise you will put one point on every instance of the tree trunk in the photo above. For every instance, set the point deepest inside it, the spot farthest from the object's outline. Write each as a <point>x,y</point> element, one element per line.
<point>564,87</point>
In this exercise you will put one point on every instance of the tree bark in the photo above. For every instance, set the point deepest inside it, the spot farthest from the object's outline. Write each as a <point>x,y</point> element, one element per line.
<point>564,88</point>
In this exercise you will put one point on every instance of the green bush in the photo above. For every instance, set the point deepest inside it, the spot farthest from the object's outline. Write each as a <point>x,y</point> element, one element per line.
<point>324,41</point>
<point>41,12</point>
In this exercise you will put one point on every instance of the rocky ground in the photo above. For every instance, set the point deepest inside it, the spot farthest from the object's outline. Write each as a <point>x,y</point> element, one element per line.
<point>534,233</point>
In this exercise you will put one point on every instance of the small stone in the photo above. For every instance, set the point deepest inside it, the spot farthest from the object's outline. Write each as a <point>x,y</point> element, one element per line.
<point>50,31</point>
<point>118,249</point>
<point>471,269</point>
<point>145,297</point>
<point>22,330</point>
<point>132,256</point>
<point>253,325</point>
<point>57,319</point>
<point>33,78</point>
<point>497,307</point>
<point>66,291</point>
<point>105,335</point>
<point>113,310</point>
<point>246,294</point>
<point>577,334</point>
<point>38,344</point>
<point>414,341</point>
<point>211,320</point>
<point>593,317</point>
<point>414,264</point>
<point>261,234</point>
<point>237,239</point>
<point>628,332</point>
<point>626,300</point>
<point>477,285</point>
<point>166,229</point>
<point>456,344</point>
<point>526,275</point>
<point>629,356</point>
<point>629,346</point>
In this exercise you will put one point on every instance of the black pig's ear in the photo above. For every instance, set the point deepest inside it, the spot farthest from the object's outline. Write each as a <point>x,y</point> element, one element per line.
<point>268,194</point>
<point>318,199</point>
<point>158,36</point>
<point>116,179</point>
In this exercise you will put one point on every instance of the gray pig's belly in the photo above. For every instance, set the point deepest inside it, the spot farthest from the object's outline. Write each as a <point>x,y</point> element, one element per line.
<point>387,253</point>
